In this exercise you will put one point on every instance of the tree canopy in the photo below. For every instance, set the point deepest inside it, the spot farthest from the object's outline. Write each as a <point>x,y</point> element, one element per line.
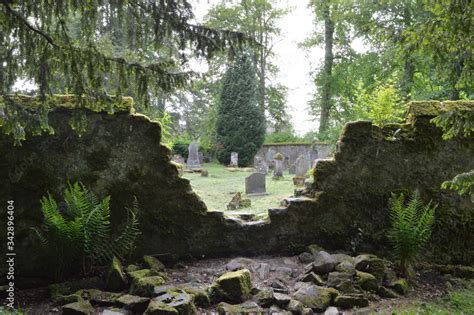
<point>39,39</point>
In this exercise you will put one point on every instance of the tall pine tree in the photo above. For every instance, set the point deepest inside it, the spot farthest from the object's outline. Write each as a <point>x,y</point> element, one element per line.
<point>240,125</point>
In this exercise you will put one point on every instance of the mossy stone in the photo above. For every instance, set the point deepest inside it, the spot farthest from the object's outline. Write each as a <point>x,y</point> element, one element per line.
<point>371,264</point>
<point>265,298</point>
<point>67,299</point>
<point>386,293</point>
<point>400,286</point>
<point>115,279</point>
<point>136,304</point>
<point>78,308</point>
<point>158,308</point>
<point>138,274</point>
<point>99,298</point>
<point>132,268</point>
<point>153,263</point>
<point>58,290</point>
<point>367,281</point>
<point>341,281</point>
<point>244,308</point>
<point>350,301</point>
<point>234,286</point>
<point>316,298</point>
<point>178,299</point>
<point>144,286</point>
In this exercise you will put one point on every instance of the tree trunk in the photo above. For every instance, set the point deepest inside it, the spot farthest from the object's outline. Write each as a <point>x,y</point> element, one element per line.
<point>409,63</point>
<point>408,73</point>
<point>326,89</point>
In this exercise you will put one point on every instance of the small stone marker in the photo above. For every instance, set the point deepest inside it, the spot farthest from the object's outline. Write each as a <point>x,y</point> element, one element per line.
<point>204,173</point>
<point>238,202</point>
<point>302,165</point>
<point>193,156</point>
<point>234,159</point>
<point>255,184</point>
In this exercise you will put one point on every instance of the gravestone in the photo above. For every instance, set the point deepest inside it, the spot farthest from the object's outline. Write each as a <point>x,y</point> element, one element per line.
<point>262,168</point>
<point>255,184</point>
<point>193,156</point>
<point>278,169</point>
<point>302,165</point>
<point>234,159</point>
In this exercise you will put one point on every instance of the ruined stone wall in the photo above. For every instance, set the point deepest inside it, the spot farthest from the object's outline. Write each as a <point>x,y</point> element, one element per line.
<point>121,155</point>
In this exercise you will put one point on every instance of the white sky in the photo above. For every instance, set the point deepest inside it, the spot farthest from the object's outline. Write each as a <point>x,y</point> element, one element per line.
<point>295,64</point>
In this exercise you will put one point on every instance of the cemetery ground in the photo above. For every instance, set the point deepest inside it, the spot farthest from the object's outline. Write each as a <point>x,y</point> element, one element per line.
<point>430,293</point>
<point>217,189</point>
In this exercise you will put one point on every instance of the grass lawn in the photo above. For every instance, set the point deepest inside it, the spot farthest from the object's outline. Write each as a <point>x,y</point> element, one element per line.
<point>218,189</point>
<point>458,301</point>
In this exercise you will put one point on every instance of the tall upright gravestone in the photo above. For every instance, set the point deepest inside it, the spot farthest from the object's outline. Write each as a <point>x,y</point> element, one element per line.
<point>193,156</point>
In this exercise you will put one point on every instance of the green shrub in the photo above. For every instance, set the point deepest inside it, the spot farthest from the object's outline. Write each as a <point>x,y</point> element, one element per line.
<point>180,146</point>
<point>281,137</point>
<point>411,228</point>
<point>78,235</point>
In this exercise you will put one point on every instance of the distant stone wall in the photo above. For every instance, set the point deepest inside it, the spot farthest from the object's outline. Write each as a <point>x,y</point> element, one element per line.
<point>291,151</point>
<point>121,155</point>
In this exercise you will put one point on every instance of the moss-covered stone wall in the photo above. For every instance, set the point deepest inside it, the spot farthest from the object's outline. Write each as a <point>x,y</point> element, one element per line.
<point>346,208</point>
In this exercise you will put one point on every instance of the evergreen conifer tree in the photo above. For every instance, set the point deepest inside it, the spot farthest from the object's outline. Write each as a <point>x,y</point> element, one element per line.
<point>240,124</point>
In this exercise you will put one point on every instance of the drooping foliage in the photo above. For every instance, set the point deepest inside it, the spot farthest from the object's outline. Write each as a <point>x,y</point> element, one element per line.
<point>411,226</point>
<point>78,236</point>
<point>240,124</point>
<point>97,48</point>
<point>455,123</point>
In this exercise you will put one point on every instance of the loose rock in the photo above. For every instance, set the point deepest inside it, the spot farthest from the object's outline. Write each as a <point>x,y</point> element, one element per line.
<point>367,281</point>
<point>179,300</point>
<point>306,257</point>
<point>78,308</point>
<point>233,287</point>
<point>135,304</point>
<point>400,286</point>
<point>323,263</point>
<point>244,308</point>
<point>153,263</point>
<point>115,280</point>
<point>158,308</point>
<point>341,281</point>
<point>317,298</point>
<point>313,278</point>
<point>350,301</point>
<point>371,264</point>
<point>281,299</point>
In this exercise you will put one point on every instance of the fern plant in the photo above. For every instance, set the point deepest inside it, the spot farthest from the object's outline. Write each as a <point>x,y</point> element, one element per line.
<point>411,226</point>
<point>78,235</point>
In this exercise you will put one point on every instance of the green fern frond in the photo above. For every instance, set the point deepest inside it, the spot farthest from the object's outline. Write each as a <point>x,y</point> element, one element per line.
<point>124,242</point>
<point>411,227</point>
<point>83,238</point>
